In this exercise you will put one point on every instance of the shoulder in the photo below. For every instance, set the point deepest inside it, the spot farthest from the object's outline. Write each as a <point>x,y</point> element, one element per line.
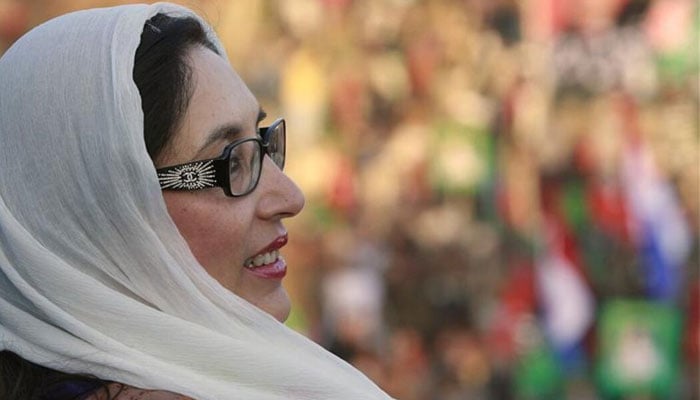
<point>118,391</point>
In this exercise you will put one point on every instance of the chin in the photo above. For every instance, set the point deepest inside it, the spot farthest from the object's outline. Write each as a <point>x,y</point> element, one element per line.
<point>279,306</point>
<point>281,315</point>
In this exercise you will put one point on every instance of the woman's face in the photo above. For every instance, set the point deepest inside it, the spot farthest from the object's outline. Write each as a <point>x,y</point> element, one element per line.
<point>225,233</point>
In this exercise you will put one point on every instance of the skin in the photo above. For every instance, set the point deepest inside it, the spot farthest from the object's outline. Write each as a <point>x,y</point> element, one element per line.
<point>222,231</point>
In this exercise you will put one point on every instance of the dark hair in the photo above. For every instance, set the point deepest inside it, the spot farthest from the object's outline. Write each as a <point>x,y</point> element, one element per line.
<point>23,380</point>
<point>162,75</point>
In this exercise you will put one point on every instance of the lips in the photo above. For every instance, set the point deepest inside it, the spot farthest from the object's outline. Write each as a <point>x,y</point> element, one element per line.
<point>268,263</point>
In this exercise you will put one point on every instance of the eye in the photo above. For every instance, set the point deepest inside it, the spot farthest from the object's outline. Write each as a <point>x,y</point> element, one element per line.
<point>240,159</point>
<point>234,164</point>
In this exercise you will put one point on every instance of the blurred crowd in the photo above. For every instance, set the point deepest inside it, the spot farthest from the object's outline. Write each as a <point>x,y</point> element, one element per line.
<point>502,195</point>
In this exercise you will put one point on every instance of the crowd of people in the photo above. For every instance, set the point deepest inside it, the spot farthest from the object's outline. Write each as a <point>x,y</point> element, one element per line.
<point>500,194</point>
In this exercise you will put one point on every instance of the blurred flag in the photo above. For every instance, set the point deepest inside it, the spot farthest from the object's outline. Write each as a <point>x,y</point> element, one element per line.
<point>573,204</point>
<point>659,228</point>
<point>537,374</point>
<point>516,304</point>
<point>516,340</point>
<point>564,296</point>
<point>639,343</point>
<point>606,201</point>
<point>460,158</point>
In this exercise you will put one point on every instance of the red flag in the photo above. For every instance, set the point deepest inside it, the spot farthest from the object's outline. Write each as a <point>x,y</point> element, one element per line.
<point>564,295</point>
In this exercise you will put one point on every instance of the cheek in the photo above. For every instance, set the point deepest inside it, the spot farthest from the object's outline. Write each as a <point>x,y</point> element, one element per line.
<point>214,236</point>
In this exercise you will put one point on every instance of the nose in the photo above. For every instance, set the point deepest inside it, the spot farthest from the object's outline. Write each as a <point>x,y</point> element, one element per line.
<point>279,196</point>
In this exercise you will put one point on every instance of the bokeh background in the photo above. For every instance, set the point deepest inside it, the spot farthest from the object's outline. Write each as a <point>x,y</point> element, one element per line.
<point>502,195</point>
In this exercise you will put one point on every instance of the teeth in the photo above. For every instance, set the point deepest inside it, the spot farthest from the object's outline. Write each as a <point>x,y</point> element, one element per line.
<point>263,259</point>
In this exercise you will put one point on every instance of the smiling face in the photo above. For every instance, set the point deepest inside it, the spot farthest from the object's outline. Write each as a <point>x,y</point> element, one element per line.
<point>224,233</point>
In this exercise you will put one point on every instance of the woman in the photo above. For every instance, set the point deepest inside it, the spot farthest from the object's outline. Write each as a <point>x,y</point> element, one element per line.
<point>141,221</point>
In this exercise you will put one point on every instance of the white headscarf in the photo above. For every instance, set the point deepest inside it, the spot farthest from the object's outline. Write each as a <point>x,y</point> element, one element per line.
<point>94,275</point>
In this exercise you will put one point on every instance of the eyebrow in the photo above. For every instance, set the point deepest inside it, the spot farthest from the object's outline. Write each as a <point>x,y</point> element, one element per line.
<point>228,132</point>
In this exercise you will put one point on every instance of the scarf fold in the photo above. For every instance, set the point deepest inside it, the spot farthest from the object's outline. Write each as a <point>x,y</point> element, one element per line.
<point>94,275</point>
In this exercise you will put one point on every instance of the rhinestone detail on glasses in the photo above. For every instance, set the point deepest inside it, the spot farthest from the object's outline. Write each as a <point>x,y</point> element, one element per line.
<point>189,177</point>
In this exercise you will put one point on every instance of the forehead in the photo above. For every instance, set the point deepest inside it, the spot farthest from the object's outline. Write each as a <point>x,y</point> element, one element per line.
<point>218,98</point>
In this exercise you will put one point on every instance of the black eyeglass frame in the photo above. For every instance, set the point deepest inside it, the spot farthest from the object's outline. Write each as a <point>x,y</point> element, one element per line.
<point>214,172</point>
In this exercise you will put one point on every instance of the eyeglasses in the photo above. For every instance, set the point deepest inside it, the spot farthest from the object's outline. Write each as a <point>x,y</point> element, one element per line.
<point>237,171</point>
